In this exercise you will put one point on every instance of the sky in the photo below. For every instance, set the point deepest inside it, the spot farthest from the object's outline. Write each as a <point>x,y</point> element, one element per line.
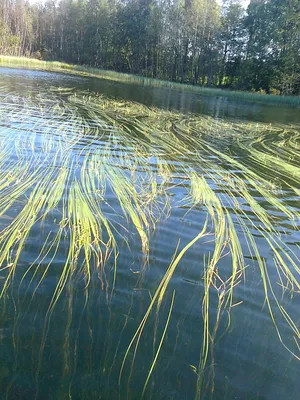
<point>244,2</point>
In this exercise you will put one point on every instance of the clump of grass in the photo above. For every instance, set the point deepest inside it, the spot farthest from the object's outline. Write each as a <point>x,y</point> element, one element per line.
<point>91,149</point>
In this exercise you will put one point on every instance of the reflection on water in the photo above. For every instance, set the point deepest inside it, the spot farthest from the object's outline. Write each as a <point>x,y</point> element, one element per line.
<point>149,246</point>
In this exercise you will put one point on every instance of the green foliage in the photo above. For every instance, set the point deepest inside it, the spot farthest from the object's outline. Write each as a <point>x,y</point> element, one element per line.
<point>274,91</point>
<point>189,41</point>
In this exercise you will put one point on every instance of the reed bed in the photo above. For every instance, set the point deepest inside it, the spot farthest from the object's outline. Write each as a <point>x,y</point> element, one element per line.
<point>23,62</point>
<point>105,170</point>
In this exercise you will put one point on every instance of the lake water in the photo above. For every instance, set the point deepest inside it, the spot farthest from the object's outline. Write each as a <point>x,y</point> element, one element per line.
<point>149,243</point>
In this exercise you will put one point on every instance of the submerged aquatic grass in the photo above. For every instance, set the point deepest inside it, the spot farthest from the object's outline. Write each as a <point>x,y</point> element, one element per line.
<point>105,171</point>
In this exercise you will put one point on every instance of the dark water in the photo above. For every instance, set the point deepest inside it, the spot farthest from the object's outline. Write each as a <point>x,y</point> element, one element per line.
<point>68,319</point>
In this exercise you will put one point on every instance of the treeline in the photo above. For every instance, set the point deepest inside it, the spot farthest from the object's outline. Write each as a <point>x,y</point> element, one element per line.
<point>191,41</point>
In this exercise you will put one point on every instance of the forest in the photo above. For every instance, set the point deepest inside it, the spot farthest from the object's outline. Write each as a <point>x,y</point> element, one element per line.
<point>199,42</point>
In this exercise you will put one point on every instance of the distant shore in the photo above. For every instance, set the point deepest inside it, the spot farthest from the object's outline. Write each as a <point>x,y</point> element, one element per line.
<point>56,66</point>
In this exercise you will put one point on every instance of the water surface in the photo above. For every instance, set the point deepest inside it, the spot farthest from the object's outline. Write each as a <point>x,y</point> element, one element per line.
<point>117,197</point>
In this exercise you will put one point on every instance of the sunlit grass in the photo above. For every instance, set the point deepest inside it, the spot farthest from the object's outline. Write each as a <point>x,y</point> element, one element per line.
<point>90,150</point>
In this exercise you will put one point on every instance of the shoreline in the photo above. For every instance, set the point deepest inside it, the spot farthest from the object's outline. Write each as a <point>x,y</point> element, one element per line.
<point>57,66</point>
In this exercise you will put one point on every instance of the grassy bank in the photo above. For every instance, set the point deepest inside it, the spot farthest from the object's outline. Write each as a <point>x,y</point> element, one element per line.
<point>22,62</point>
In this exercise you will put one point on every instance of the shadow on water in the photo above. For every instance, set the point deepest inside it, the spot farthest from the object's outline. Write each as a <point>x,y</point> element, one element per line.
<point>162,97</point>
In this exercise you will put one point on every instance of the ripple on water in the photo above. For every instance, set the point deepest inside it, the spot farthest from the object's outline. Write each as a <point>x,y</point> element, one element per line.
<point>98,196</point>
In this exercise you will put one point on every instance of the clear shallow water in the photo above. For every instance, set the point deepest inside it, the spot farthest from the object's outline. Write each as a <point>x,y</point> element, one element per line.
<point>74,163</point>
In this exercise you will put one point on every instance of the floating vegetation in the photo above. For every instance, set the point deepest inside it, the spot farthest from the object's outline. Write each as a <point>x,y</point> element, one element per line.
<point>91,176</point>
